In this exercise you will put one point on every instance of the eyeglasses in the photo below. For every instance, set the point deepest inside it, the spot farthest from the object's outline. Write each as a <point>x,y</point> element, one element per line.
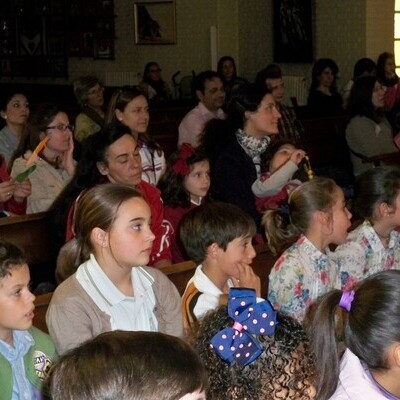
<point>152,71</point>
<point>61,127</point>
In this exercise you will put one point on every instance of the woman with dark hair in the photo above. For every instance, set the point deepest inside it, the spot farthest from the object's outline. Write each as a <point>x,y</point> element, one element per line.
<point>55,165</point>
<point>226,68</point>
<point>252,118</point>
<point>323,98</point>
<point>368,133</point>
<point>14,110</point>
<point>129,106</point>
<point>370,331</point>
<point>111,155</point>
<point>153,85</point>
<point>89,93</point>
<point>386,74</point>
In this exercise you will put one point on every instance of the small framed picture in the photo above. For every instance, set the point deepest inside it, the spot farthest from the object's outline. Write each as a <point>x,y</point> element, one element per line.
<point>104,49</point>
<point>155,22</point>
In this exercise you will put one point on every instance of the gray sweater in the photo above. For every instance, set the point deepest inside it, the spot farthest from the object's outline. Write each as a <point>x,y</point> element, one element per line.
<point>73,317</point>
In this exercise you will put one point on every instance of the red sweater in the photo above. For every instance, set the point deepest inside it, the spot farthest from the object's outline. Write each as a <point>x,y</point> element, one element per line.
<point>159,227</point>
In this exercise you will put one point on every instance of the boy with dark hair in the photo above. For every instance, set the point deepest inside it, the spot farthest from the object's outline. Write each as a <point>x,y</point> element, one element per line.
<point>127,365</point>
<point>218,237</point>
<point>26,353</point>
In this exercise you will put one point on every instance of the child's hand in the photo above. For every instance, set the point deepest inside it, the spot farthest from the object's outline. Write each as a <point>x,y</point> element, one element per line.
<point>247,278</point>
<point>297,156</point>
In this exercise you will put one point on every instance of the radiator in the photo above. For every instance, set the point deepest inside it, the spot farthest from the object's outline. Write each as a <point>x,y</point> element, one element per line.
<point>296,86</point>
<point>121,78</point>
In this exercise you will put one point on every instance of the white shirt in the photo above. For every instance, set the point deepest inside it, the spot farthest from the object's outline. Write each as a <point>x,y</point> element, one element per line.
<point>129,313</point>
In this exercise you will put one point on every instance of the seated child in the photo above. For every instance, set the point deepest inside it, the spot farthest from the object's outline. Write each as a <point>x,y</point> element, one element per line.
<point>217,236</point>
<point>370,330</point>
<point>283,175</point>
<point>317,216</point>
<point>374,245</point>
<point>281,366</point>
<point>26,353</point>
<point>112,287</point>
<point>129,365</point>
<point>184,186</point>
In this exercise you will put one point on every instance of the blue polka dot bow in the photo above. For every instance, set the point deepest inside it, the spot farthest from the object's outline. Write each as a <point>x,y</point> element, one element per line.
<point>237,344</point>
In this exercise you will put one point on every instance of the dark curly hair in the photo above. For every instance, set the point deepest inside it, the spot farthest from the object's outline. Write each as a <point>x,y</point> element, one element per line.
<point>284,370</point>
<point>170,184</point>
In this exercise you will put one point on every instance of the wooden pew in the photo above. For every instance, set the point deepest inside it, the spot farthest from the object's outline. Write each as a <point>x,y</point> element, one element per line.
<point>262,264</point>
<point>41,304</point>
<point>31,234</point>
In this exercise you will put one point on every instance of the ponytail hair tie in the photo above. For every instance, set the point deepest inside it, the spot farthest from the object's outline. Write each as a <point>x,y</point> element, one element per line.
<point>346,300</point>
<point>181,165</point>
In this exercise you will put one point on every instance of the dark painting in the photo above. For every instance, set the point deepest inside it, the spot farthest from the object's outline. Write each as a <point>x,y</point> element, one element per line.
<point>293,31</point>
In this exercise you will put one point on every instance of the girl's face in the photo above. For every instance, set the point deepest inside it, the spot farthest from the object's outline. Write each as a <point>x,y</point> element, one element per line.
<point>95,96</point>
<point>123,164</point>
<point>130,238</point>
<point>378,95</point>
<point>197,183</point>
<point>263,121</point>
<point>199,394</point>
<point>228,69</point>
<point>60,133</point>
<point>390,67</point>
<point>326,78</point>
<point>340,219</point>
<point>281,157</point>
<point>17,110</point>
<point>135,115</point>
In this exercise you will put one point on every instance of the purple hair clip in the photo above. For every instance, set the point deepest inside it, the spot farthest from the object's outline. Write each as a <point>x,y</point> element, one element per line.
<point>346,300</point>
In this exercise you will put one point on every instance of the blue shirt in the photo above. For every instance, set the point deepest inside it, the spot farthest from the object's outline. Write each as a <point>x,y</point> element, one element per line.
<point>23,341</point>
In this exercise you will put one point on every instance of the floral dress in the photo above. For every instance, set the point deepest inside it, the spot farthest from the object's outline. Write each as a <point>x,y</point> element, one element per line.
<point>363,254</point>
<point>300,276</point>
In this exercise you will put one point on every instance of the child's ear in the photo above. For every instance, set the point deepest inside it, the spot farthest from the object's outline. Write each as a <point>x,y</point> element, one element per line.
<point>322,217</point>
<point>394,355</point>
<point>99,237</point>
<point>213,250</point>
<point>383,210</point>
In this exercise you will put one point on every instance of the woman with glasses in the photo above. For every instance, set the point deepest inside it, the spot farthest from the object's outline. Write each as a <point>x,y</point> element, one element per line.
<point>55,165</point>
<point>153,85</point>
<point>368,132</point>
<point>89,91</point>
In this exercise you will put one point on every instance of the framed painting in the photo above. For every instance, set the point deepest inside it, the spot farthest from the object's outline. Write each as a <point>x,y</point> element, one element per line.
<point>293,31</point>
<point>155,22</point>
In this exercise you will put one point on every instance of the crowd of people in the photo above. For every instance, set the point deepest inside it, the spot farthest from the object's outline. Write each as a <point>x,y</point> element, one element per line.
<point>120,212</point>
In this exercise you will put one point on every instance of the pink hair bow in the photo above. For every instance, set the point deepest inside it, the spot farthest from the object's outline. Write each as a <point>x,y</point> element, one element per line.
<point>181,166</point>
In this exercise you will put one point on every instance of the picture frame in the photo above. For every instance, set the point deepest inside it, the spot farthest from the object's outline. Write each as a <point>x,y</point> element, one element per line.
<point>293,31</point>
<point>155,22</point>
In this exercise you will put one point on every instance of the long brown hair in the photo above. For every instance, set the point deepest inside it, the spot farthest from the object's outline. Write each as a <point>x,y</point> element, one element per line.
<point>98,207</point>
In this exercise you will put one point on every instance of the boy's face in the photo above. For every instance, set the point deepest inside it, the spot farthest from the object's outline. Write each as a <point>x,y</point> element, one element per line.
<point>238,251</point>
<point>16,302</point>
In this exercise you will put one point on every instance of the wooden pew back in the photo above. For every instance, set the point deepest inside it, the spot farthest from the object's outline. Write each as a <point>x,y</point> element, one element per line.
<point>31,234</point>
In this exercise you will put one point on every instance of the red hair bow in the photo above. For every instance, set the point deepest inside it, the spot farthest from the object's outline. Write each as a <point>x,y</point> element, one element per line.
<point>181,166</point>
